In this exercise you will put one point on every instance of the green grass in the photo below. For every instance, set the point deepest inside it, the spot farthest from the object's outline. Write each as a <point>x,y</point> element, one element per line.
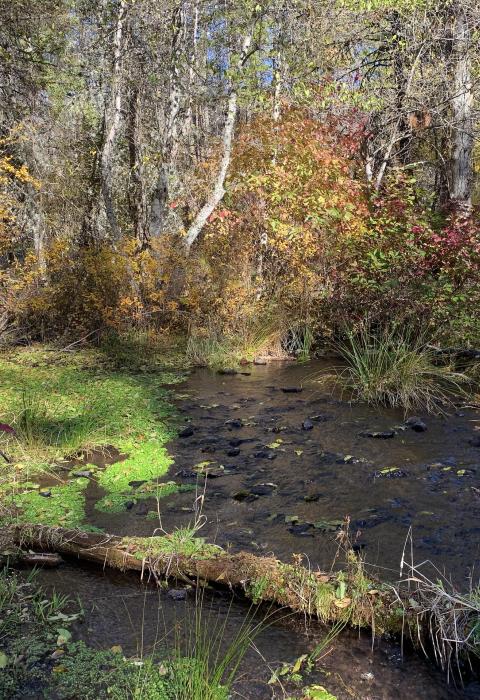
<point>396,368</point>
<point>61,403</point>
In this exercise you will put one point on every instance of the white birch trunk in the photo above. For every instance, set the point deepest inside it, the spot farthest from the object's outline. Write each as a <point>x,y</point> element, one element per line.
<point>113,119</point>
<point>218,191</point>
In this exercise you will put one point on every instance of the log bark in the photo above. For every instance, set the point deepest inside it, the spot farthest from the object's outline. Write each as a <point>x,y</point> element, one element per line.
<point>261,578</point>
<point>425,612</point>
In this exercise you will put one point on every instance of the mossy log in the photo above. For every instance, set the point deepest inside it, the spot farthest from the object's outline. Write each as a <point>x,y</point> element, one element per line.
<point>427,613</point>
<point>347,595</point>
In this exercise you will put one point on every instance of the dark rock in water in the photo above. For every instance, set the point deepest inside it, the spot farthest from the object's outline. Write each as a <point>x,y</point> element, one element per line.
<point>390,473</point>
<point>244,495</point>
<point>186,474</point>
<point>129,505</point>
<point>292,389</point>
<point>234,452</point>
<point>265,454</point>
<point>301,530</point>
<point>136,484</point>
<point>209,440</point>
<point>228,372</point>
<point>475,441</point>
<point>234,423</point>
<point>312,497</point>
<point>357,548</point>
<point>381,435</point>
<point>186,432</point>
<point>263,489</point>
<point>236,442</point>
<point>177,594</point>
<point>307,424</point>
<point>82,474</point>
<point>416,424</point>
<point>321,418</point>
<point>246,374</point>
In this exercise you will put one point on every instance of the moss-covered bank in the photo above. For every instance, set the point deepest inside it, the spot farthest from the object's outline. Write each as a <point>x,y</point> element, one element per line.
<point>63,406</point>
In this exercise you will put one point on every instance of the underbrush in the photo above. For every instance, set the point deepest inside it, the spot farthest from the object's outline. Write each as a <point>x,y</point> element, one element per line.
<point>394,367</point>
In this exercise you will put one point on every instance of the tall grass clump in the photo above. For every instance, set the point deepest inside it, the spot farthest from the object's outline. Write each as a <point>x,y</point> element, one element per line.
<point>201,663</point>
<point>394,367</point>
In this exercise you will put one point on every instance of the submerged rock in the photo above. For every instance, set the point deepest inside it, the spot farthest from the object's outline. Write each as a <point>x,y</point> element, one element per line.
<point>186,432</point>
<point>390,473</point>
<point>244,495</point>
<point>265,454</point>
<point>233,452</point>
<point>416,424</point>
<point>234,423</point>
<point>307,424</point>
<point>380,435</point>
<point>301,530</point>
<point>263,489</point>
<point>177,594</point>
<point>228,372</point>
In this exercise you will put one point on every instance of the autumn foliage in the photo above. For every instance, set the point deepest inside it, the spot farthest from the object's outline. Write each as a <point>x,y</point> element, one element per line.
<point>299,239</point>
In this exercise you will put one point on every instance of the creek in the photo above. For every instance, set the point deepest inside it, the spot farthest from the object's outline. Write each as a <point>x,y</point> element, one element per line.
<point>286,462</point>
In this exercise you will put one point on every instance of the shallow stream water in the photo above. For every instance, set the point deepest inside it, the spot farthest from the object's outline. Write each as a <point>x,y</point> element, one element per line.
<point>286,468</point>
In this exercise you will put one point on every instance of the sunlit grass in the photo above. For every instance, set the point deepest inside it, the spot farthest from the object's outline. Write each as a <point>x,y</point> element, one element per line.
<point>395,368</point>
<point>61,405</point>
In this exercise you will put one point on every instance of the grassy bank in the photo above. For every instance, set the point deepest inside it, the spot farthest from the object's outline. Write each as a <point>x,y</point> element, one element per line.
<point>57,408</point>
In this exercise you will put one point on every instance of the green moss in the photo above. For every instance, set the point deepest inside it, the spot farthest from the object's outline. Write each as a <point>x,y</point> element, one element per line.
<point>181,542</point>
<point>60,404</point>
<point>65,506</point>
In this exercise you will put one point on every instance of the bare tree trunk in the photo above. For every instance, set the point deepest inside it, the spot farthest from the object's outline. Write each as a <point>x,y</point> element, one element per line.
<point>462,102</point>
<point>218,191</point>
<point>170,138</point>
<point>113,118</point>
<point>136,193</point>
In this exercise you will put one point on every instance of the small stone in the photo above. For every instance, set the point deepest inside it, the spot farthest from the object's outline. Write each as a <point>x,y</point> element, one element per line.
<point>45,492</point>
<point>311,498</point>
<point>307,424</point>
<point>129,505</point>
<point>292,389</point>
<point>244,495</point>
<point>177,594</point>
<point>263,489</point>
<point>234,423</point>
<point>186,432</point>
<point>416,424</point>
<point>234,452</point>
<point>381,435</point>
<point>259,361</point>
<point>82,474</point>
<point>301,530</point>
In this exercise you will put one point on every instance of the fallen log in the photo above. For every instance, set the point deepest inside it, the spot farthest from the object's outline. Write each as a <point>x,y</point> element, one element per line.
<point>420,609</point>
